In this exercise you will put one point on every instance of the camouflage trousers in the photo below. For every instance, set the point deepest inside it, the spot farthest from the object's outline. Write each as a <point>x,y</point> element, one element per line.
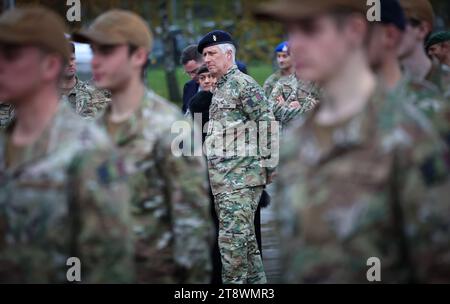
<point>241,259</point>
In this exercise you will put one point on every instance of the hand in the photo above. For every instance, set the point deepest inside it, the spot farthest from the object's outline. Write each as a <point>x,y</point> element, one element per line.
<point>271,177</point>
<point>280,100</point>
<point>294,105</point>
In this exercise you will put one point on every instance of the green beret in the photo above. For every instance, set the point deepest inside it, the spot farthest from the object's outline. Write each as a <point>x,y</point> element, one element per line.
<point>436,38</point>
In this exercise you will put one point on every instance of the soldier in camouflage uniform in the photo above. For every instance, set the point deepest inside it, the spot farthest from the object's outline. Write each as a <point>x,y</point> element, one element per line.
<point>6,114</point>
<point>416,63</point>
<point>85,99</point>
<point>286,68</point>
<point>353,183</point>
<point>59,197</point>
<point>291,97</point>
<point>237,180</point>
<point>169,206</point>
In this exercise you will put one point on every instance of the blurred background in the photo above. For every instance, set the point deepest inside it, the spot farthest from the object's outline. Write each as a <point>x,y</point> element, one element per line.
<point>178,23</point>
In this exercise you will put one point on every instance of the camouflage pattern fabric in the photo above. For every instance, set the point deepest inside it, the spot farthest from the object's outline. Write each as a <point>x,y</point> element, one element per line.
<point>58,199</point>
<point>170,203</point>
<point>6,114</point>
<point>87,100</point>
<point>359,189</point>
<point>289,90</point>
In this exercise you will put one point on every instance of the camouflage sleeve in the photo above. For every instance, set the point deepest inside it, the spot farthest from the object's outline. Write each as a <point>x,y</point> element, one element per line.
<point>422,180</point>
<point>101,236</point>
<point>100,100</point>
<point>268,87</point>
<point>258,109</point>
<point>186,180</point>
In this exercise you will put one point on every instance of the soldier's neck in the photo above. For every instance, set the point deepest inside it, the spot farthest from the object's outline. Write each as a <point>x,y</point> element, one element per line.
<point>390,72</point>
<point>347,92</point>
<point>68,84</point>
<point>33,114</point>
<point>417,64</point>
<point>287,72</point>
<point>447,60</point>
<point>126,100</point>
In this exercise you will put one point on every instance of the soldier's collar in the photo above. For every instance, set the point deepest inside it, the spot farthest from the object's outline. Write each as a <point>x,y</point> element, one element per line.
<point>227,75</point>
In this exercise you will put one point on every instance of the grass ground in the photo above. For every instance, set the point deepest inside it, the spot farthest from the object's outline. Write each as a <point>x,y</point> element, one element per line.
<point>157,79</point>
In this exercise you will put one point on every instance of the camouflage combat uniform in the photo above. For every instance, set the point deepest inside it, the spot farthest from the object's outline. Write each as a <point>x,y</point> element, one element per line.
<point>237,180</point>
<point>271,81</point>
<point>6,114</point>
<point>439,75</point>
<point>87,100</point>
<point>169,205</point>
<point>292,89</point>
<point>427,97</point>
<point>357,190</point>
<point>60,198</point>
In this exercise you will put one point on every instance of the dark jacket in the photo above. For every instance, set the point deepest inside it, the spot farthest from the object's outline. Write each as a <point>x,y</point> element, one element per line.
<point>189,90</point>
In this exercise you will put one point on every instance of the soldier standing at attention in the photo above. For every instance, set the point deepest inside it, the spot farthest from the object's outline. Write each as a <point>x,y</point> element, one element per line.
<point>57,197</point>
<point>291,97</point>
<point>284,63</point>
<point>354,173</point>
<point>84,98</point>
<point>237,181</point>
<point>385,41</point>
<point>414,59</point>
<point>169,206</point>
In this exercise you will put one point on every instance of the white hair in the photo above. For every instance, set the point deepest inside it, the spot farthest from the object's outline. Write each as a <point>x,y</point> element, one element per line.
<point>225,47</point>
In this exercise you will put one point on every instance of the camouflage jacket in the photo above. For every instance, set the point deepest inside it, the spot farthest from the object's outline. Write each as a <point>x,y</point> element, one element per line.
<point>56,202</point>
<point>439,75</point>
<point>358,190</point>
<point>292,89</point>
<point>271,81</point>
<point>87,100</point>
<point>6,114</point>
<point>239,115</point>
<point>169,205</point>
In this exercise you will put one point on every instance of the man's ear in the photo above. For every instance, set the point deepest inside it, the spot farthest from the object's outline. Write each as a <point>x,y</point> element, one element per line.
<point>139,57</point>
<point>52,67</point>
<point>357,29</point>
<point>424,29</point>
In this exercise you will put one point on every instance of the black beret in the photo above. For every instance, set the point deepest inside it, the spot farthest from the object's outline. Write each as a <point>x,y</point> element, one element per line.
<point>214,38</point>
<point>436,38</point>
<point>392,13</point>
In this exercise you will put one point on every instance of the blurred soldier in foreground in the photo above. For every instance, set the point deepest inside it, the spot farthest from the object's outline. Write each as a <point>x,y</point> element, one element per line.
<point>169,204</point>
<point>85,99</point>
<point>6,114</point>
<point>420,20</point>
<point>237,180</point>
<point>353,174</point>
<point>284,63</point>
<point>57,198</point>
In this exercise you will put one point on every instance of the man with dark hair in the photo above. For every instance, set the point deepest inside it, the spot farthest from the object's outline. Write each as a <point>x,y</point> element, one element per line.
<point>285,68</point>
<point>84,98</point>
<point>191,60</point>
<point>169,201</point>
